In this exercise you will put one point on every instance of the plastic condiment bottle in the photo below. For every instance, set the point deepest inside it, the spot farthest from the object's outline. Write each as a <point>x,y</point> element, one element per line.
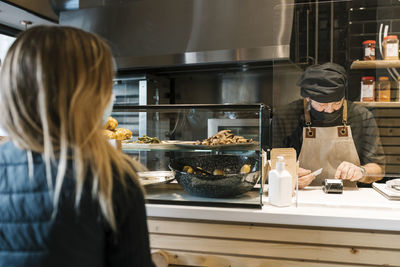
<point>280,185</point>
<point>369,49</point>
<point>367,89</point>
<point>391,47</point>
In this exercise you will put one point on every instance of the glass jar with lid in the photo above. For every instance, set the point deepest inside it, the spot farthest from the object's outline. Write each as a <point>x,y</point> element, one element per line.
<point>369,49</point>
<point>383,89</point>
<point>367,89</point>
<point>391,47</point>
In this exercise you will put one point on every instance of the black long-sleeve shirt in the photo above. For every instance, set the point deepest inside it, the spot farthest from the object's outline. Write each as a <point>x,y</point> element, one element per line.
<point>288,122</point>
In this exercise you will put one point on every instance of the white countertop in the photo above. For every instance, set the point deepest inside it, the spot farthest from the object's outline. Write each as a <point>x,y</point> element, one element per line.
<point>361,209</point>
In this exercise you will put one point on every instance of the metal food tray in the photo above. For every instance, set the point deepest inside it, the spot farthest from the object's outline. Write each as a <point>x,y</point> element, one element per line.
<point>155,177</point>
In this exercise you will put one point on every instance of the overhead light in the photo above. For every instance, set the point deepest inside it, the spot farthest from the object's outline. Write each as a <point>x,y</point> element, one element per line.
<point>362,8</point>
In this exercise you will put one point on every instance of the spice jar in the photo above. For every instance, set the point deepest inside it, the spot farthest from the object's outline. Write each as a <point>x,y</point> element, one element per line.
<point>369,49</point>
<point>367,89</point>
<point>390,47</point>
<point>383,89</point>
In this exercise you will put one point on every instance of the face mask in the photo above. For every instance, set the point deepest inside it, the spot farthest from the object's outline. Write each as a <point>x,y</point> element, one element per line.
<point>108,110</point>
<point>326,117</point>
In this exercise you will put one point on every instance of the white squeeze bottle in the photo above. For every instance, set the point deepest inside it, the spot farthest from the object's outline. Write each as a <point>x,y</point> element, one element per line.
<point>280,185</point>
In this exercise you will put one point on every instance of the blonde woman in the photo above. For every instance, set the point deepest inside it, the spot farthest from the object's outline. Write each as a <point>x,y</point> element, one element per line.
<point>67,198</point>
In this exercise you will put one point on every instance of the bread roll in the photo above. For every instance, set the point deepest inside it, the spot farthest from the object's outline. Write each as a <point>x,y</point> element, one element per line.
<point>123,134</point>
<point>109,134</point>
<point>111,124</point>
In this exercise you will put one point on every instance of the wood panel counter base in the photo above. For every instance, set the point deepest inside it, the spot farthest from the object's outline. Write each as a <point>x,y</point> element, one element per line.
<point>357,228</point>
<point>208,243</point>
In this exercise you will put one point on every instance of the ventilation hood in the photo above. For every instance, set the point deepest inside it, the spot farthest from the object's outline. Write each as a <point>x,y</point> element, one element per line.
<point>157,33</point>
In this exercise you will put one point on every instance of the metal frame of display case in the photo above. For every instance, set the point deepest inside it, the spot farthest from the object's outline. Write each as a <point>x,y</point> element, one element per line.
<point>167,190</point>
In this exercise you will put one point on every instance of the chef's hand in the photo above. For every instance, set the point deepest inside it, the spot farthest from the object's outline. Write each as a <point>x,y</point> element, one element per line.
<point>348,171</point>
<point>305,177</point>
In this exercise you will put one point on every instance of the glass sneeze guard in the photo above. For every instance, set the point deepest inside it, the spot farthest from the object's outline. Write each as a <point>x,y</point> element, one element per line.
<point>177,128</point>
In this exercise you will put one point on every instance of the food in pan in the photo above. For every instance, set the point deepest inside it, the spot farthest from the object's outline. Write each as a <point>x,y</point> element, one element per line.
<point>231,184</point>
<point>245,168</point>
<point>218,172</point>
<point>112,132</point>
<point>188,169</point>
<point>195,170</point>
<point>148,140</point>
<point>223,138</point>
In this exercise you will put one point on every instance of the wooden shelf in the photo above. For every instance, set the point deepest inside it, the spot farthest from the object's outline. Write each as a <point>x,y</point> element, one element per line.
<point>375,64</point>
<point>379,104</point>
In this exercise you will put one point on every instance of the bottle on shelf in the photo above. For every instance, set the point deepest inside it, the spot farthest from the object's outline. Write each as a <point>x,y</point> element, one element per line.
<point>391,47</point>
<point>383,89</point>
<point>369,49</point>
<point>367,89</point>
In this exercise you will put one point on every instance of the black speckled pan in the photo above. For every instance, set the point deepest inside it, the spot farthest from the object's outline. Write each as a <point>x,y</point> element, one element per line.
<point>233,183</point>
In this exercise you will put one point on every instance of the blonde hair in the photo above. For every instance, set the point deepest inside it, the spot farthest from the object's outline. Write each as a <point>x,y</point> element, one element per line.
<point>55,85</point>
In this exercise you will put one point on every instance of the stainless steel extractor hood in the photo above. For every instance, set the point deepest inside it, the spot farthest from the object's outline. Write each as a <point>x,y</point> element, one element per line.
<point>154,33</point>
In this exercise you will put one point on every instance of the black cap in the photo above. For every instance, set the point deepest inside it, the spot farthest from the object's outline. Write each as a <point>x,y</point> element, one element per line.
<point>324,83</point>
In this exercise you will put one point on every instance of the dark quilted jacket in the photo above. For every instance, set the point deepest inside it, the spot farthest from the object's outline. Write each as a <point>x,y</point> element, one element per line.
<point>76,237</point>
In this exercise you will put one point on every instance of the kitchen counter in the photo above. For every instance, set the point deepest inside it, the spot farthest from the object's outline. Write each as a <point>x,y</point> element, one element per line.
<point>356,227</point>
<point>361,209</point>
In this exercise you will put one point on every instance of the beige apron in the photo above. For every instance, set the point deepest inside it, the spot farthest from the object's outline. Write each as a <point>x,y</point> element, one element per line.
<point>327,147</point>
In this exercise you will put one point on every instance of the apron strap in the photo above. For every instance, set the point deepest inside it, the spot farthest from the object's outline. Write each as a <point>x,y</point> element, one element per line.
<point>310,132</point>
<point>307,113</point>
<point>344,120</point>
<point>308,116</point>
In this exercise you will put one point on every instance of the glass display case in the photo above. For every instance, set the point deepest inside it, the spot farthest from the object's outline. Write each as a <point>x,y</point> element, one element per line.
<point>199,154</point>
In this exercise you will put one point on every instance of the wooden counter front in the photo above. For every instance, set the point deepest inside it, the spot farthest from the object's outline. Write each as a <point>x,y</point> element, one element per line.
<point>359,227</point>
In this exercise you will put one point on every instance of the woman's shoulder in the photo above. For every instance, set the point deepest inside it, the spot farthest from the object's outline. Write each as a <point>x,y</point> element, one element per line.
<point>7,149</point>
<point>10,154</point>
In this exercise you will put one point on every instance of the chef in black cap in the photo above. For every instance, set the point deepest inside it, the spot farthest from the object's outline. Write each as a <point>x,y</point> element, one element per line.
<point>328,131</point>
